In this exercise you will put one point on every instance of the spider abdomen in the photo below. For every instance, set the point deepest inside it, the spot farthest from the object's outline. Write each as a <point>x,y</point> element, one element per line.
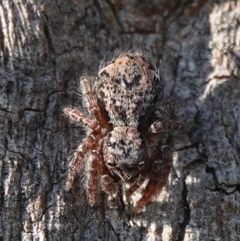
<point>128,87</point>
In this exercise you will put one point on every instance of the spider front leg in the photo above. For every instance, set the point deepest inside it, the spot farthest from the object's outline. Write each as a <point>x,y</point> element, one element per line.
<point>87,143</point>
<point>78,157</point>
<point>111,188</point>
<point>135,186</point>
<point>93,169</point>
<point>158,177</point>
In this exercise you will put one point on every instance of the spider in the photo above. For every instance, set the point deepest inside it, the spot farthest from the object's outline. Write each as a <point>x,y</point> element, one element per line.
<point>123,142</point>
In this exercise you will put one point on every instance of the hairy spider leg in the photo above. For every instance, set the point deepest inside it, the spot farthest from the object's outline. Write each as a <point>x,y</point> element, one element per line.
<point>165,170</point>
<point>94,166</point>
<point>157,179</point>
<point>148,193</point>
<point>108,185</point>
<point>153,187</point>
<point>78,117</point>
<point>97,130</point>
<point>135,186</point>
<point>78,157</point>
<point>92,103</point>
<point>161,170</point>
<point>160,126</point>
<point>167,109</point>
<point>111,188</point>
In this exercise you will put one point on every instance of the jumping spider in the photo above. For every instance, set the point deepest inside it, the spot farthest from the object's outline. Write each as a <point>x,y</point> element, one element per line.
<point>123,143</point>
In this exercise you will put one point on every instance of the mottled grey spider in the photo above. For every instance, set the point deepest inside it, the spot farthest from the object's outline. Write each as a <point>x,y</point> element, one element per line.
<point>123,142</point>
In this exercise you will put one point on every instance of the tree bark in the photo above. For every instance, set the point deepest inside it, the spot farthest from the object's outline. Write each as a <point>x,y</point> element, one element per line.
<point>46,46</point>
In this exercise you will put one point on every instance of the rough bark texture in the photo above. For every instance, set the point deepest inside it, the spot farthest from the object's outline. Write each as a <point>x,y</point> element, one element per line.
<point>45,46</point>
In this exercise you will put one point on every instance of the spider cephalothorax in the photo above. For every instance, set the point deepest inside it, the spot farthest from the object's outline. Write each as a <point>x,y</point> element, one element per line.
<point>122,152</point>
<point>123,144</point>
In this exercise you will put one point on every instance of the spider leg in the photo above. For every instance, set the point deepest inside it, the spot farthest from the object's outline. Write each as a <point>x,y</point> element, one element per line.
<point>92,103</point>
<point>158,178</point>
<point>160,126</point>
<point>93,170</point>
<point>149,191</point>
<point>78,157</point>
<point>78,117</point>
<point>162,167</point>
<point>135,186</point>
<point>111,188</point>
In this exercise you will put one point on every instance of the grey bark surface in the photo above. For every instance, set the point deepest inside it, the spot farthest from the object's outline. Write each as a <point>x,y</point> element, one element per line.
<point>46,46</point>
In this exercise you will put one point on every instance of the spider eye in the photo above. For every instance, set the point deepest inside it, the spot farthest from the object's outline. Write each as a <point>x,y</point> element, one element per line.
<point>109,143</point>
<point>141,164</point>
<point>111,164</point>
